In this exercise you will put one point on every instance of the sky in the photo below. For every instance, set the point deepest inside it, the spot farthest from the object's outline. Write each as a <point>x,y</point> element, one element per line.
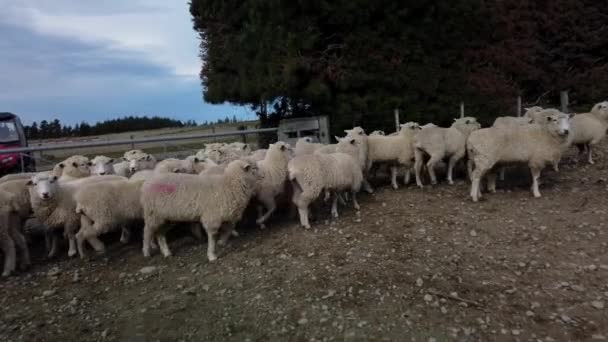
<point>93,60</point>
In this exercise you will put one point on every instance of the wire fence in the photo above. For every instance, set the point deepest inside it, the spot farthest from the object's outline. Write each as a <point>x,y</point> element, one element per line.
<point>178,146</point>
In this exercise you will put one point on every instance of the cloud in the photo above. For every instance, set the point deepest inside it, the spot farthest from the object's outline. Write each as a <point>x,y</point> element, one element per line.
<point>94,60</point>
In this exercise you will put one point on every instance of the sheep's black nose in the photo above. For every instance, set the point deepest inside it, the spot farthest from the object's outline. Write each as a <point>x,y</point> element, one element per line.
<point>566,131</point>
<point>45,195</point>
<point>102,173</point>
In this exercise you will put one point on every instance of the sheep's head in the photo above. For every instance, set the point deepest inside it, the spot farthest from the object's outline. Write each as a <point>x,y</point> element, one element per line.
<point>559,124</point>
<point>76,166</point>
<point>355,131</point>
<point>531,110</point>
<point>248,171</point>
<point>409,127</point>
<point>467,124</point>
<point>44,186</point>
<point>140,161</point>
<point>601,110</point>
<point>102,165</point>
<point>378,133</point>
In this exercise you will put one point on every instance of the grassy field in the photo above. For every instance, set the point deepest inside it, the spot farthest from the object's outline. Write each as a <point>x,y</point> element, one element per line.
<point>182,148</point>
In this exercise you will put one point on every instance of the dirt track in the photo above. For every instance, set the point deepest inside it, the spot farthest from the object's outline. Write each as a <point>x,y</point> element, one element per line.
<point>418,265</point>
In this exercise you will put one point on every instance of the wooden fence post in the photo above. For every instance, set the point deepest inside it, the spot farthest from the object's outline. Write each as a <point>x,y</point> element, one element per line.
<point>563,96</point>
<point>462,109</point>
<point>396,119</point>
<point>519,105</point>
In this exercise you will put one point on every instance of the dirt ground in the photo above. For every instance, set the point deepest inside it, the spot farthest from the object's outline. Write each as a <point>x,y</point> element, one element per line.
<point>419,265</point>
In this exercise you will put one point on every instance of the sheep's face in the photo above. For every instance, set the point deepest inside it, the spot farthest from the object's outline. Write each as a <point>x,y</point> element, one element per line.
<point>76,168</point>
<point>102,166</point>
<point>281,146</point>
<point>45,187</point>
<point>601,109</point>
<point>140,162</point>
<point>378,133</point>
<point>355,131</point>
<point>559,124</point>
<point>410,127</point>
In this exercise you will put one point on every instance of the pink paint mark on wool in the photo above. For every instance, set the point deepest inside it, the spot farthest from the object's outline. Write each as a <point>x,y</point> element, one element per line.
<point>162,188</point>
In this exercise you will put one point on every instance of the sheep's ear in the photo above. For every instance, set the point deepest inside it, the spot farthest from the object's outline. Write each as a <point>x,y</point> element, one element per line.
<point>74,164</point>
<point>283,147</point>
<point>247,167</point>
<point>54,178</point>
<point>111,160</point>
<point>353,141</point>
<point>90,164</point>
<point>176,170</point>
<point>196,160</point>
<point>337,137</point>
<point>148,157</point>
<point>29,183</point>
<point>549,118</point>
<point>467,122</point>
<point>245,146</point>
<point>62,165</point>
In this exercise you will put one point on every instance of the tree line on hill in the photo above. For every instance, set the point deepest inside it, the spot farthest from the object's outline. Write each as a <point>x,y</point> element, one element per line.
<point>55,129</point>
<point>357,60</point>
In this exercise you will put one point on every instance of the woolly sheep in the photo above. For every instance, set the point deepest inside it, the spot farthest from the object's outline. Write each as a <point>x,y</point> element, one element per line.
<point>105,206</point>
<point>306,145</point>
<point>359,135</point>
<point>258,155</point>
<point>54,206</point>
<point>122,168</point>
<point>15,176</point>
<point>213,201</point>
<point>531,111</point>
<point>311,174</point>
<point>589,129</point>
<point>141,161</point>
<point>73,168</point>
<point>539,115</point>
<point>273,175</point>
<point>428,125</point>
<point>506,121</point>
<point>397,150</point>
<point>537,145</point>
<point>176,165</point>
<point>439,143</point>
<point>102,165</point>
<point>11,236</point>
<point>377,133</point>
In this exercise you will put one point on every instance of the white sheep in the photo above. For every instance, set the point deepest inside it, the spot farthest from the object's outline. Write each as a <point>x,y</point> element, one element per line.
<point>177,165</point>
<point>438,143</point>
<point>530,112</point>
<point>54,206</point>
<point>589,129</point>
<point>15,176</point>
<point>539,115</point>
<point>398,150</point>
<point>141,161</point>
<point>11,236</point>
<point>72,168</point>
<point>213,201</point>
<point>512,120</point>
<point>363,145</point>
<point>311,174</point>
<point>106,206</point>
<point>306,145</point>
<point>122,168</point>
<point>102,165</point>
<point>536,144</point>
<point>273,176</point>
<point>378,132</point>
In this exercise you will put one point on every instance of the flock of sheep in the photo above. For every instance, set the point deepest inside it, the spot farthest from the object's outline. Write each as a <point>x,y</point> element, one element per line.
<point>210,191</point>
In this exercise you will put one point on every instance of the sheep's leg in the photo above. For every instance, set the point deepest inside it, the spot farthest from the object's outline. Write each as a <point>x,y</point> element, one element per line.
<point>19,238</point>
<point>334,206</point>
<point>470,167</point>
<point>589,155</point>
<point>418,166</point>
<point>491,181</point>
<point>80,243</point>
<point>367,187</point>
<point>452,162</point>
<point>394,177</point>
<point>355,203</point>
<point>270,204</point>
<point>475,182</point>
<point>327,196</point>
<point>211,229</point>
<point>70,233</point>
<point>303,212</point>
<point>10,256</point>
<point>162,244</point>
<point>225,233</point>
<point>407,176</point>
<point>535,176</point>
<point>431,168</point>
<point>150,229</point>
<point>125,235</point>
<point>53,242</point>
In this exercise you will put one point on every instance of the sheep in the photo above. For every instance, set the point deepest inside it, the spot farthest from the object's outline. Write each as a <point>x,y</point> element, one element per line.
<point>531,111</point>
<point>362,142</point>
<point>306,145</point>
<point>211,200</point>
<point>503,121</point>
<point>590,128</point>
<point>54,206</point>
<point>273,175</point>
<point>11,235</point>
<point>73,168</point>
<point>439,143</point>
<point>105,206</point>
<point>102,166</point>
<point>258,155</point>
<point>428,125</point>
<point>377,133</point>
<point>539,115</point>
<point>310,174</point>
<point>211,153</point>
<point>15,176</point>
<point>122,168</point>
<point>177,165</point>
<point>397,150</point>
<point>21,197</point>
<point>537,145</point>
<point>141,161</point>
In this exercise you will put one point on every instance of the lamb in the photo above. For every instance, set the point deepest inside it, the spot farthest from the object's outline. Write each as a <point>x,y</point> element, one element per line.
<point>377,133</point>
<point>105,206</point>
<point>73,168</point>
<point>141,161</point>
<point>306,145</point>
<point>11,235</point>
<point>311,174</point>
<point>273,172</point>
<point>537,145</point>
<point>589,129</point>
<point>211,200</point>
<point>102,166</point>
<point>362,143</point>
<point>439,143</point>
<point>397,150</point>
<point>54,206</point>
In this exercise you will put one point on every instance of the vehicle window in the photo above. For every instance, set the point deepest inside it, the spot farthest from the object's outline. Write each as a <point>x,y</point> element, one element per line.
<point>8,131</point>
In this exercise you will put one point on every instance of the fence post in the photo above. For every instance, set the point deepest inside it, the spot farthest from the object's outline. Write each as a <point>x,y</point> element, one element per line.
<point>396,119</point>
<point>563,96</point>
<point>519,106</point>
<point>244,138</point>
<point>22,162</point>
<point>462,109</point>
<point>132,144</point>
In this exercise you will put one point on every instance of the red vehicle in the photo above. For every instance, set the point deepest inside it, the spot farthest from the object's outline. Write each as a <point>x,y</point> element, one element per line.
<point>13,136</point>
